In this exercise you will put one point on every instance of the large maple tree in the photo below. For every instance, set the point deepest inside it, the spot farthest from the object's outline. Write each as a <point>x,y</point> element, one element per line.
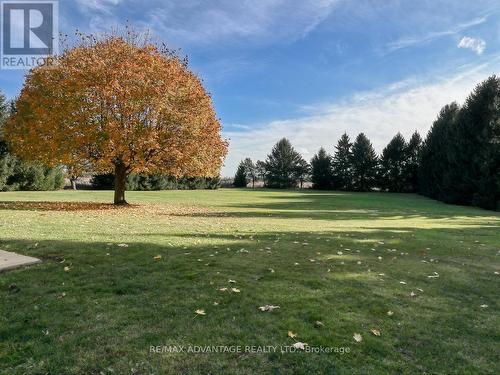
<point>118,104</point>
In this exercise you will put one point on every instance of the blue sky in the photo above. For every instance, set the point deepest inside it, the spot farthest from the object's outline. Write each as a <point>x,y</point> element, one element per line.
<point>310,70</point>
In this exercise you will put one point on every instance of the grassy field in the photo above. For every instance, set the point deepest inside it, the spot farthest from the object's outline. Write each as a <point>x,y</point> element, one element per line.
<point>422,274</point>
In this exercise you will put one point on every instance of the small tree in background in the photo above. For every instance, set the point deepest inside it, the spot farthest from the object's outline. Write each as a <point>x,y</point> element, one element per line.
<point>118,104</point>
<point>342,164</point>
<point>392,165</point>
<point>282,165</point>
<point>364,164</point>
<point>321,170</point>
<point>240,178</point>
<point>302,172</point>
<point>250,170</point>
<point>260,167</point>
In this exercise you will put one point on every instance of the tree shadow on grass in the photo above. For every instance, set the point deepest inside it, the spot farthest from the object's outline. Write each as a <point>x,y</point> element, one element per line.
<point>339,206</point>
<point>119,301</point>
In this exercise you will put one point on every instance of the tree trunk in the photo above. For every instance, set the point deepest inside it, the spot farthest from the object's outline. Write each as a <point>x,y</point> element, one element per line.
<point>120,180</point>
<point>73,183</point>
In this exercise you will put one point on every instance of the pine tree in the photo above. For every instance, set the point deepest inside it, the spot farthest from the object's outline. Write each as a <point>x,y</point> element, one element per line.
<point>477,147</point>
<point>364,164</point>
<point>342,164</point>
<point>240,179</point>
<point>282,164</point>
<point>411,166</point>
<point>434,162</point>
<point>321,170</point>
<point>392,165</point>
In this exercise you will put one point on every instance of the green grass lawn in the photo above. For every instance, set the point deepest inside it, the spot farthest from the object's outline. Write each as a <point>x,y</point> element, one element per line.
<point>343,259</point>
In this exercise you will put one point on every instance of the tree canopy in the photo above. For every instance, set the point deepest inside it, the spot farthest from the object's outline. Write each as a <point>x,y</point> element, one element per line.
<point>118,104</point>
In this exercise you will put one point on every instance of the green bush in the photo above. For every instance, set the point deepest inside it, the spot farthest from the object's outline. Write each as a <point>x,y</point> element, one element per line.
<point>19,175</point>
<point>35,177</point>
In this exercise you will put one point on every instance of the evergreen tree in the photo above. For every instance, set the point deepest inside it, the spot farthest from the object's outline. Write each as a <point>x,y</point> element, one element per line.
<point>364,164</point>
<point>321,170</point>
<point>411,166</point>
<point>434,162</point>
<point>282,165</point>
<point>460,158</point>
<point>342,164</point>
<point>250,170</point>
<point>475,156</point>
<point>392,165</point>
<point>240,179</point>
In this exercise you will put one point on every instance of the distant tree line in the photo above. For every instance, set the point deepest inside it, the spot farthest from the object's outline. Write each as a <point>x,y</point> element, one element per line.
<point>458,162</point>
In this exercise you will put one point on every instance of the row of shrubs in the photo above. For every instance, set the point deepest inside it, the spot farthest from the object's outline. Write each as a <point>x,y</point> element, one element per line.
<point>156,182</point>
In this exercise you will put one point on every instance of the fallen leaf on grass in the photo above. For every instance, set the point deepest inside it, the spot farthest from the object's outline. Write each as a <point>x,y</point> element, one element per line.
<point>235,290</point>
<point>67,269</point>
<point>158,257</point>
<point>200,312</point>
<point>268,308</point>
<point>292,334</point>
<point>231,281</point>
<point>300,345</point>
<point>122,245</point>
<point>357,337</point>
<point>376,332</point>
<point>484,306</point>
<point>318,324</point>
<point>390,313</point>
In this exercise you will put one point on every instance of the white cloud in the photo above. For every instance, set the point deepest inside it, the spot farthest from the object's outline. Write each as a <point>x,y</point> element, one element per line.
<point>403,106</point>
<point>406,42</point>
<point>102,6</point>
<point>477,45</point>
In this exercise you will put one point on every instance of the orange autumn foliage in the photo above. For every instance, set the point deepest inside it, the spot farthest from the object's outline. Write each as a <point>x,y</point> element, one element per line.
<point>117,101</point>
